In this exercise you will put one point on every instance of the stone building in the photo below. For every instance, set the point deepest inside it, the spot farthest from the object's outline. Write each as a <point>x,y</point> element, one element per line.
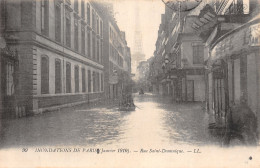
<point>59,45</point>
<point>117,54</point>
<point>232,62</point>
<point>180,52</point>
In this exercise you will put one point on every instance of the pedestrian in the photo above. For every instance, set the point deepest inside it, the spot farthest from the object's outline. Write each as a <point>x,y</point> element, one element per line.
<point>241,124</point>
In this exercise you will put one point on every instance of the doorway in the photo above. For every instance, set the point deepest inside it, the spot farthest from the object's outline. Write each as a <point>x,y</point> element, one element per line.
<point>8,88</point>
<point>190,90</point>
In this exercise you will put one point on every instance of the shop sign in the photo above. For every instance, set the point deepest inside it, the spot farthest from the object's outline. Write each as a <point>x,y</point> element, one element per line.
<point>113,79</point>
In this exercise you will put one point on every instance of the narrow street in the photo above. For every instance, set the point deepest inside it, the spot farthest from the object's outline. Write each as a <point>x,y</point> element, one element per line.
<point>156,118</point>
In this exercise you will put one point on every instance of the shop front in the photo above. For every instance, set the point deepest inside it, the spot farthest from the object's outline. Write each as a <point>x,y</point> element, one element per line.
<point>233,75</point>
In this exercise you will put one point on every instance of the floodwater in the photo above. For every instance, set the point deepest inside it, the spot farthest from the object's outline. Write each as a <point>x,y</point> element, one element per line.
<point>157,121</point>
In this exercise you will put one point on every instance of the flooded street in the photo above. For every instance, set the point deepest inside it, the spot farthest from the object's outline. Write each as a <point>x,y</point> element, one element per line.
<point>155,122</point>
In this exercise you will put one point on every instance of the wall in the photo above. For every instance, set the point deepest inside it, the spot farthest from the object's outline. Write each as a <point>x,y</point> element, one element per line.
<point>199,87</point>
<point>237,81</point>
<point>187,50</point>
<point>252,83</point>
<point>52,56</point>
<point>52,99</point>
<point>210,91</point>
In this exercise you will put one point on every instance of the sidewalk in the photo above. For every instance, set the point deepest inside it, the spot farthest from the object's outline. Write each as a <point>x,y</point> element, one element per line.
<point>100,103</point>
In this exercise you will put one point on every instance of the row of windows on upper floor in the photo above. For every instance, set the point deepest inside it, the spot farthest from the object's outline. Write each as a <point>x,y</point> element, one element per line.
<point>95,42</point>
<point>114,55</point>
<point>91,82</point>
<point>197,54</point>
<point>88,13</point>
<point>115,38</point>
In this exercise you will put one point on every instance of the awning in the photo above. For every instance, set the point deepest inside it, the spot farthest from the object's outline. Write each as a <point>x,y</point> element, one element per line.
<point>237,40</point>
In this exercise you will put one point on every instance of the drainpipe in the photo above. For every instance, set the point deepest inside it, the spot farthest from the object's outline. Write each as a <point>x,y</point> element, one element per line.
<point>1,106</point>
<point>2,45</point>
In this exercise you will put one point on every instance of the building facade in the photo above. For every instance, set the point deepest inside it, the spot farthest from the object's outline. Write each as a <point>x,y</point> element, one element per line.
<point>61,52</point>
<point>213,56</point>
<point>117,54</point>
<point>232,75</point>
<point>181,55</point>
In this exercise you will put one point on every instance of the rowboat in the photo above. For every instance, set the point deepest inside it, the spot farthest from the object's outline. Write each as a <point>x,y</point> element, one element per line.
<point>127,108</point>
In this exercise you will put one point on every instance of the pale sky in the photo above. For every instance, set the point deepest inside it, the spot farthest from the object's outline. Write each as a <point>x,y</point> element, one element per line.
<point>150,18</point>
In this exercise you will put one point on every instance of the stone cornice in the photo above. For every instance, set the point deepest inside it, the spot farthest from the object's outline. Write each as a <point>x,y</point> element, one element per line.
<point>49,45</point>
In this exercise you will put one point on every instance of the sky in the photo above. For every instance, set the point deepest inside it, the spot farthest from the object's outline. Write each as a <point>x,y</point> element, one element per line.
<point>149,18</point>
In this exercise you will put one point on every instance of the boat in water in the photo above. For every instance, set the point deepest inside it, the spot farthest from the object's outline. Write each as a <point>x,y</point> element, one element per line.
<point>131,108</point>
<point>127,104</point>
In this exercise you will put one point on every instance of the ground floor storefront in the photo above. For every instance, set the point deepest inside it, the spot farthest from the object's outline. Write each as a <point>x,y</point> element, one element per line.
<point>183,85</point>
<point>233,76</point>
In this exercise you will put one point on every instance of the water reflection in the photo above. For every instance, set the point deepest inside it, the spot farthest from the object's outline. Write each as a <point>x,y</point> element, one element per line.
<point>155,122</point>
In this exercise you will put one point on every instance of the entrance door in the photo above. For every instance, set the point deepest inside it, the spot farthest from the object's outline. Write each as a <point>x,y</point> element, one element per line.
<point>173,91</point>
<point>190,90</point>
<point>8,88</point>
<point>219,96</point>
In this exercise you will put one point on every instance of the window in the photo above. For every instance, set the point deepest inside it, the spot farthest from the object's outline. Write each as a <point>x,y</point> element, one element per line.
<point>101,28</point>
<point>44,75</point>
<point>76,35</point>
<point>57,76</point>
<point>68,78</point>
<point>76,5</point>
<point>93,47</point>
<point>110,51</point>
<point>98,50</point>
<point>89,81</point>
<point>68,29</point>
<point>83,9</point>
<point>198,54</point>
<point>93,20</point>
<point>101,52</point>
<point>82,39</point>
<point>9,79</point>
<point>57,21</point>
<point>83,80</point>
<point>45,17</point>
<point>94,81</point>
<point>88,14</point>
<point>76,77</point>
<point>110,67</point>
<point>102,83</point>
<point>89,44</point>
<point>98,82</point>
<point>97,25</point>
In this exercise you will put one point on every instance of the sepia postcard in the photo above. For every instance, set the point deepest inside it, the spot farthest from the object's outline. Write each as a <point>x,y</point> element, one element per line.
<point>129,83</point>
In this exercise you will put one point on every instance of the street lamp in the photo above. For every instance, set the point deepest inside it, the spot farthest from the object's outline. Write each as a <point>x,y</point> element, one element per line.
<point>182,5</point>
<point>166,59</point>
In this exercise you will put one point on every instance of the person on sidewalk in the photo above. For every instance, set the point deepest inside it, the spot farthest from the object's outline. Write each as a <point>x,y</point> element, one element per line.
<point>241,124</point>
